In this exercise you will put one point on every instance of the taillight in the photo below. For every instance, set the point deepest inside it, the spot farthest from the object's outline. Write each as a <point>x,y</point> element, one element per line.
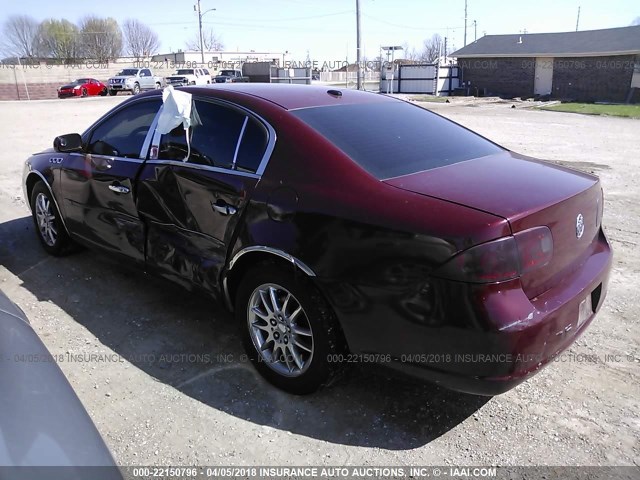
<point>535,248</point>
<point>503,259</point>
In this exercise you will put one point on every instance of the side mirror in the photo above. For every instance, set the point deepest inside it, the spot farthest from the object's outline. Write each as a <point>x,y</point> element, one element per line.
<point>71,142</point>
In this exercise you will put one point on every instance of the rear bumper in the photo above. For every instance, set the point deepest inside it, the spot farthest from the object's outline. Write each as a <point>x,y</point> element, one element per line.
<point>481,339</point>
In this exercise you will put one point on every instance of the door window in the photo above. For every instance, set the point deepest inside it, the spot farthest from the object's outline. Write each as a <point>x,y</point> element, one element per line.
<point>123,133</point>
<point>213,141</point>
<point>254,143</point>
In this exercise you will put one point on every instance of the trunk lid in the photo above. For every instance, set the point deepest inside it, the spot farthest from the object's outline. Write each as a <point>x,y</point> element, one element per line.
<point>528,193</point>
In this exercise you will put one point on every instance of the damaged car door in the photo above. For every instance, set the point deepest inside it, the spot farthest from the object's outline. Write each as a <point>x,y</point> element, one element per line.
<point>194,189</point>
<point>99,183</point>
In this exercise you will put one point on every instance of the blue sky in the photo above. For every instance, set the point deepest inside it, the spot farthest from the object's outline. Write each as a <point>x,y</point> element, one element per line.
<point>326,28</point>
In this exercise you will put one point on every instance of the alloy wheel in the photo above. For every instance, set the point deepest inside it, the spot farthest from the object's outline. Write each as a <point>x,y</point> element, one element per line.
<point>280,330</point>
<point>46,219</point>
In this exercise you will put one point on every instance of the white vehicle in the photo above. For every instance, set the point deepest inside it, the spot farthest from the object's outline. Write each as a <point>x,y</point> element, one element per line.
<point>189,76</point>
<point>134,80</point>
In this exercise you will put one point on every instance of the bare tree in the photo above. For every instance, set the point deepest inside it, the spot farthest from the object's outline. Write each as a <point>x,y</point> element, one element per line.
<point>20,36</point>
<point>432,49</point>
<point>636,21</point>
<point>59,39</point>
<point>140,40</point>
<point>210,41</point>
<point>101,38</point>
<point>409,53</point>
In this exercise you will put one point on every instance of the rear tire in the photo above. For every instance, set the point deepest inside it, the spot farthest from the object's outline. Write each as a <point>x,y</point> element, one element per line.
<point>46,218</point>
<point>289,331</point>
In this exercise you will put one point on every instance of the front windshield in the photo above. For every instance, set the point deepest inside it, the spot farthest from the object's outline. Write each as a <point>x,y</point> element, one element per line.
<point>128,72</point>
<point>227,73</point>
<point>80,81</point>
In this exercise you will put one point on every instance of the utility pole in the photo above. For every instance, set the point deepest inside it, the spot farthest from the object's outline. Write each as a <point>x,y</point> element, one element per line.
<point>358,59</point>
<point>465,23</point>
<point>201,14</point>
<point>475,31</point>
<point>197,9</point>
<point>445,47</point>
<point>578,20</point>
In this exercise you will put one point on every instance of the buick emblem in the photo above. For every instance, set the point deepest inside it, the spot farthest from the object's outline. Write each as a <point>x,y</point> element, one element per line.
<point>579,225</point>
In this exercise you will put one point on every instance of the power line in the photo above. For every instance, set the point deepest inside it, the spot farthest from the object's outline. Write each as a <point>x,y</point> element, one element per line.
<point>261,20</point>
<point>407,26</point>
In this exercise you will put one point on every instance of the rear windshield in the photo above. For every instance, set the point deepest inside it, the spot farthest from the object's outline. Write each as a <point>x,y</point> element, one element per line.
<point>184,72</point>
<point>392,139</point>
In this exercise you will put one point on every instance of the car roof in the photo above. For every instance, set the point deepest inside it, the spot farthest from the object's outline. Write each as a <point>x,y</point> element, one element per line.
<point>293,97</point>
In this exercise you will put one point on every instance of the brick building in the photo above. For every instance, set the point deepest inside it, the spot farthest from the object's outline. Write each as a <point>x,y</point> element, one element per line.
<point>591,65</point>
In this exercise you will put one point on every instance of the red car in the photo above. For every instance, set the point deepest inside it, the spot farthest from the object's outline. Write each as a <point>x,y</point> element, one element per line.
<point>341,226</point>
<point>82,87</point>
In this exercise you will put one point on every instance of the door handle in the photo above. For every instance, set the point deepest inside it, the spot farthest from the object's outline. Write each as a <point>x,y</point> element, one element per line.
<point>223,207</point>
<point>116,187</point>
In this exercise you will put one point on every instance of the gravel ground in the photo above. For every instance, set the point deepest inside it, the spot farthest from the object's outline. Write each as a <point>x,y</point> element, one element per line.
<point>156,404</point>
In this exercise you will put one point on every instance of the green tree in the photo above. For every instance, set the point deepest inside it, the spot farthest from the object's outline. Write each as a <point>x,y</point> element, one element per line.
<point>59,40</point>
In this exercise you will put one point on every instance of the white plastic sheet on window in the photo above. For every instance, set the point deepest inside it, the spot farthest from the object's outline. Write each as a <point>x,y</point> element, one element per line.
<point>175,111</point>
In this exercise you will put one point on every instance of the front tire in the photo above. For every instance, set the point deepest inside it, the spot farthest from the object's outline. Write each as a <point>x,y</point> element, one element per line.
<point>48,222</point>
<point>113,93</point>
<point>289,331</point>
<point>136,89</point>
<point>84,92</point>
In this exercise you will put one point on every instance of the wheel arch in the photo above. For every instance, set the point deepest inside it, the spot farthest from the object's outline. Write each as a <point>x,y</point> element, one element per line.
<point>34,177</point>
<point>246,258</point>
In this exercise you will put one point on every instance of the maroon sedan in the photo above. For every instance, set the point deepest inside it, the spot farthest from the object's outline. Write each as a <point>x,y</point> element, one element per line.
<point>341,226</point>
<point>82,87</point>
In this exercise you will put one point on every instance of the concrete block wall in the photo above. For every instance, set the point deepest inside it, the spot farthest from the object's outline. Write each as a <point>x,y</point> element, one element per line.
<point>42,80</point>
<point>509,77</point>
<point>584,79</point>
<point>590,79</point>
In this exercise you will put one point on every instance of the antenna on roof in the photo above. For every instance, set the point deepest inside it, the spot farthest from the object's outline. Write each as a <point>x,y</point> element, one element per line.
<point>578,20</point>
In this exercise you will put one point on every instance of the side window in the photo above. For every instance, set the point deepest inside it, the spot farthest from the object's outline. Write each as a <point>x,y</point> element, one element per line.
<point>253,146</point>
<point>123,134</point>
<point>145,73</point>
<point>213,142</point>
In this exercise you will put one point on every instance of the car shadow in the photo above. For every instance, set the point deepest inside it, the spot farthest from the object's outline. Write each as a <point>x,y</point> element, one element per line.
<point>190,342</point>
